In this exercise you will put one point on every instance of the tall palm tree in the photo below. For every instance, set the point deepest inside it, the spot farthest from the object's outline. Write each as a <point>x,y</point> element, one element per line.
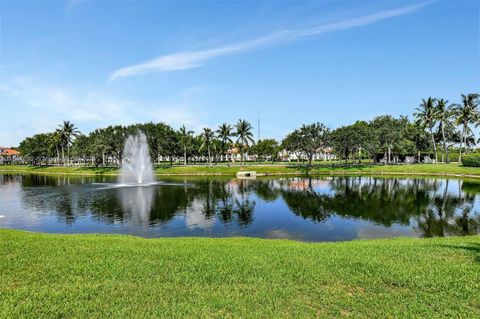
<point>55,141</point>
<point>465,114</point>
<point>426,118</point>
<point>68,131</point>
<point>207,141</point>
<point>224,133</point>
<point>243,132</point>
<point>185,140</point>
<point>443,115</point>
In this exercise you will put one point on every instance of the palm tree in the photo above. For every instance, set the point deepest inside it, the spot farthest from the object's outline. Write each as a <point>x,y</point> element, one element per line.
<point>224,132</point>
<point>68,131</point>
<point>443,115</point>
<point>185,140</point>
<point>426,118</point>
<point>466,113</point>
<point>207,141</point>
<point>55,141</point>
<point>244,136</point>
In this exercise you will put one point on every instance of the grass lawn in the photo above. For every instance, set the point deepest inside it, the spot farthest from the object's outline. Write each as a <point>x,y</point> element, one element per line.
<point>101,276</point>
<point>277,169</point>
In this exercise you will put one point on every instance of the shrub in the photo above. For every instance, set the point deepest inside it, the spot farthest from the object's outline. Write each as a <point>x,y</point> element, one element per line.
<point>472,160</point>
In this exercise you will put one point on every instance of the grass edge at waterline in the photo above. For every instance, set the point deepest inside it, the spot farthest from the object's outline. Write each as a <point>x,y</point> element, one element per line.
<point>454,170</point>
<point>52,275</point>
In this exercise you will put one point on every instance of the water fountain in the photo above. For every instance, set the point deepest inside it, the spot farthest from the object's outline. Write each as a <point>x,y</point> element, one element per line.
<point>137,168</point>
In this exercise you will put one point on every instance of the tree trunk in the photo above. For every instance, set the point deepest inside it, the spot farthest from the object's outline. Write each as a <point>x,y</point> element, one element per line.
<point>58,155</point>
<point>243,154</point>
<point>209,158</point>
<point>184,156</point>
<point>63,157</point>
<point>461,142</point>
<point>68,155</point>
<point>434,145</point>
<point>445,145</point>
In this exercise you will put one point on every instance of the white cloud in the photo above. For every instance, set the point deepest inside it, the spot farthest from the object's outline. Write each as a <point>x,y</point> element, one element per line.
<point>30,106</point>
<point>192,59</point>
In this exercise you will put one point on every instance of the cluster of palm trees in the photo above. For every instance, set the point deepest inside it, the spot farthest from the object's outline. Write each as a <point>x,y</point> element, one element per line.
<point>242,130</point>
<point>61,139</point>
<point>436,114</point>
<point>437,123</point>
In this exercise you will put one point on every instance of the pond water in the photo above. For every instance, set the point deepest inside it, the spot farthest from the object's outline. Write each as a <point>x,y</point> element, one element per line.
<point>306,209</point>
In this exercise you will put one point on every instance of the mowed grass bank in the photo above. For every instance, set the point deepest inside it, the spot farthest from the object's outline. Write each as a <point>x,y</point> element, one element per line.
<point>276,169</point>
<point>99,276</point>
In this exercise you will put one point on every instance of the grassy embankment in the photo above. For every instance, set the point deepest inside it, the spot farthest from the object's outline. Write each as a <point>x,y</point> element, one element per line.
<point>101,276</point>
<point>277,169</point>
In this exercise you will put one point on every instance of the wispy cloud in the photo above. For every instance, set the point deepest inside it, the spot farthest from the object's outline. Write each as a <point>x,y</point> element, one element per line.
<point>192,59</point>
<point>41,106</point>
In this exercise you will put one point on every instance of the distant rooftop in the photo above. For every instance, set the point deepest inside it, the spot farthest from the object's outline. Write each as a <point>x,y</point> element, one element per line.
<point>5,151</point>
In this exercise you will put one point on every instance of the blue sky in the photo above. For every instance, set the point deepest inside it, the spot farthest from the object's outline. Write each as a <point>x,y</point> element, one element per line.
<point>203,63</point>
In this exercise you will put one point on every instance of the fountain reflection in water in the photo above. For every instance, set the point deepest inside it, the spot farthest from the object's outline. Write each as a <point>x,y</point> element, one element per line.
<point>137,204</point>
<point>136,167</point>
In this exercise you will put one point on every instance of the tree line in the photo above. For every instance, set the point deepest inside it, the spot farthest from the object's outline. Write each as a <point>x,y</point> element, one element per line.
<point>437,124</point>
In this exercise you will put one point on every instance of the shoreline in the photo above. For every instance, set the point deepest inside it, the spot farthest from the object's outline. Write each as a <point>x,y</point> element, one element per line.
<point>451,170</point>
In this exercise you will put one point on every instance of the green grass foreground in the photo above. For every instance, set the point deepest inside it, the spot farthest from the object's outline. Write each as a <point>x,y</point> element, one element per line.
<point>110,276</point>
<point>276,169</point>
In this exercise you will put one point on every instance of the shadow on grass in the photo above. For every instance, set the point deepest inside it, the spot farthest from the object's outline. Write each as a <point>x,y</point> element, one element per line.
<point>472,248</point>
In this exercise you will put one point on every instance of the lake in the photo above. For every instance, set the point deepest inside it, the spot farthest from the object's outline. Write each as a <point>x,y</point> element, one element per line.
<point>305,209</point>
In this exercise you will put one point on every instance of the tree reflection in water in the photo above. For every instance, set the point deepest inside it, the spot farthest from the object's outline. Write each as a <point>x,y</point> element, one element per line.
<point>431,207</point>
<point>428,202</point>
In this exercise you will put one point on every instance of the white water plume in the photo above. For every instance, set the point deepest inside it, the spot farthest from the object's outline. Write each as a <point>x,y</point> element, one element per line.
<point>137,166</point>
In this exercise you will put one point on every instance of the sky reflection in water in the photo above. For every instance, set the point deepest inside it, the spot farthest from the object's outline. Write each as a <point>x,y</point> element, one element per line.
<point>317,209</point>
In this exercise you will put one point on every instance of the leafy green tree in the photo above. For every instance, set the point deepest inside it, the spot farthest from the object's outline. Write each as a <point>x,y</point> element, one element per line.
<point>162,140</point>
<point>313,137</point>
<point>419,138</point>
<point>267,148</point>
<point>365,139</point>
<point>388,134</point>
<point>292,143</point>
<point>98,146</point>
<point>343,142</point>
<point>80,147</point>
<point>426,115</point>
<point>465,114</point>
<point>351,140</point>
<point>243,132</point>
<point>35,149</point>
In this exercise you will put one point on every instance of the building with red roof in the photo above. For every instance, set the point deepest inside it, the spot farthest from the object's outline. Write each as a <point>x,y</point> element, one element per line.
<point>8,155</point>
